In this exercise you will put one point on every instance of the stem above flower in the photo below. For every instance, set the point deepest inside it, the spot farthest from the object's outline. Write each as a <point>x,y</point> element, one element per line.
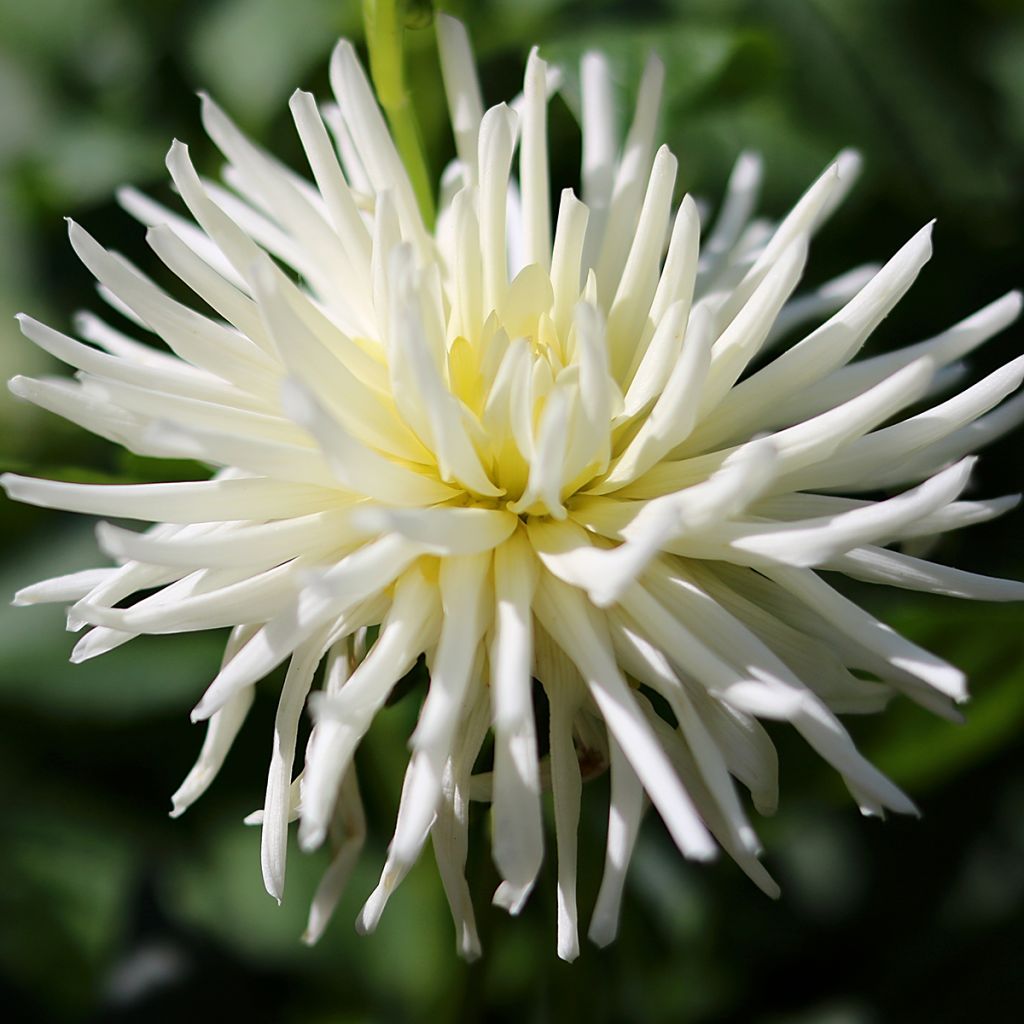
<point>385,32</point>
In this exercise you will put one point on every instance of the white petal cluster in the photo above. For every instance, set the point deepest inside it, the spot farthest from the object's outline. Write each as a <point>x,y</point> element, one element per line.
<point>565,458</point>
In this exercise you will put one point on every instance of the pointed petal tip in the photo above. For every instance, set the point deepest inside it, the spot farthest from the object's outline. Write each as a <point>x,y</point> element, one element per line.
<point>77,657</point>
<point>12,484</point>
<point>176,154</point>
<point>106,537</point>
<point>511,898</point>
<point>704,853</point>
<point>848,163</point>
<point>605,594</point>
<point>470,954</point>
<point>311,835</point>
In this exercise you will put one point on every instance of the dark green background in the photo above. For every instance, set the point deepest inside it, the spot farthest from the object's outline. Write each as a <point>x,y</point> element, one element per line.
<point>903,922</point>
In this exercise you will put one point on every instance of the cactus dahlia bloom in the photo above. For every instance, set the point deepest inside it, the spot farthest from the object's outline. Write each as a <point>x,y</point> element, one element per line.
<point>566,459</point>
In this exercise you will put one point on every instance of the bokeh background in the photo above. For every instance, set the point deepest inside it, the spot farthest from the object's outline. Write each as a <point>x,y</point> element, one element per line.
<point>109,911</point>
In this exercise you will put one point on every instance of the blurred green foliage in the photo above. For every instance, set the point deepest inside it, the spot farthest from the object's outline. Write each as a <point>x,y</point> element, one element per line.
<point>111,912</point>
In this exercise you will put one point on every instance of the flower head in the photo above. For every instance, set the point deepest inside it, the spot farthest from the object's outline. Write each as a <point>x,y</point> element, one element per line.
<point>576,455</point>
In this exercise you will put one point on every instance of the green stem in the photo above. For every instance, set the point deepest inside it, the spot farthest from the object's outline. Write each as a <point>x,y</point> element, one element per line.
<point>384,37</point>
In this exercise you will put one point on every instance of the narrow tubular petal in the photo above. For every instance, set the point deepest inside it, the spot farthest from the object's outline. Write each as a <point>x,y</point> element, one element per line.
<point>348,833</point>
<point>711,764</point>
<point>221,731</point>
<point>258,456</point>
<point>463,582</point>
<point>456,456</point>
<point>630,176</point>
<point>343,591</point>
<point>805,216</point>
<point>547,467</point>
<point>191,336</point>
<point>61,589</point>
<point>743,338</point>
<point>600,135</point>
<point>252,546</point>
<point>205,501</point>
<point>358,468</point>
<point>77,405</point>
<point>813,541</point>
<point>518,844</point>
<point>597,397</point>
<point>158,404</point>
<point>467,307</point>
<point>625,811</point>
<point>465,106</point>
<point>865,629</point>
<point>566,258</point>
<point>151,213</point>
<point>371,137</point>
<point>342,719</point>
<point>332,372</point>
<point>882,448</point>
<point>958,341</point>
<point>117,343</point>
<point>450,834</point>
<point>441,531</point>
<point>412,827</point>
<point>819,657</point>
<point>222,600</point>
<point>954,516</point>
<point>497,141</point>
<point>533,164</point>
<point>221,294</point>
<point>778,693</point>
<point>875,565</point>
<point>961,441</point>
<point>722,496</point>
<point>274,841</point>
<point>674,414</point>
<point>655,354</point>
<point>166,375</point>
<point>741,194</point>
<point>566,789</point>
<point>638,283</point>
<point>341,204</point>
<point>684,763</point>
<point>575,631</point>
<point>822,301</point>
<point>832,345</point>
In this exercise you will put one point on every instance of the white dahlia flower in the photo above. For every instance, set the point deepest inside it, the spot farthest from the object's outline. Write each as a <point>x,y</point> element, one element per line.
<point>565,450</point>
